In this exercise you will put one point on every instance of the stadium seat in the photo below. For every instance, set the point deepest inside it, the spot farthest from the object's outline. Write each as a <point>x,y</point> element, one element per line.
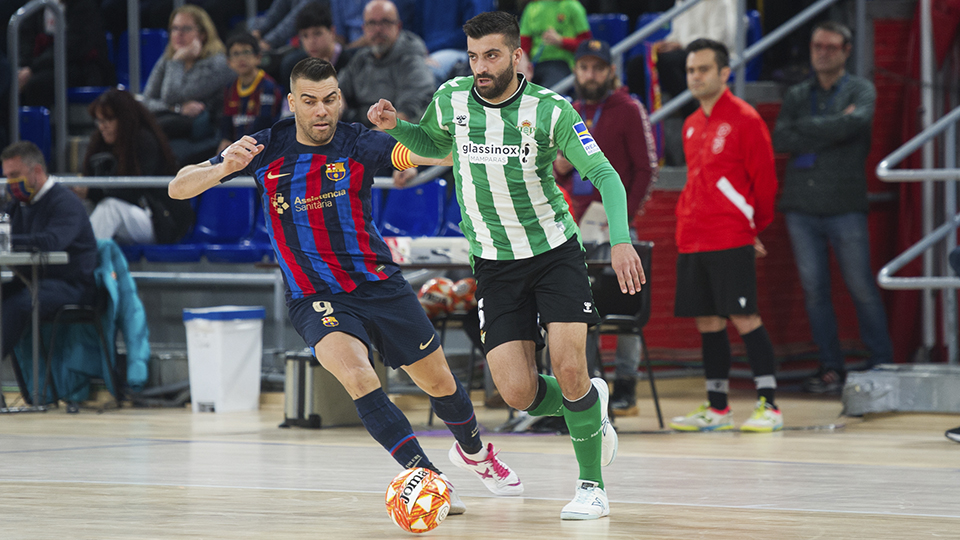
<point>451,218</point>
<point>609,27</point>
<point>643,20</point>
<point>415,211</point>
<point>153,41</point>
<point>754,33</point>
<point>224,216</point>
<point>376,200</point>
<point>133,252</point>
<point>251,249</point>
<point>35,127</point>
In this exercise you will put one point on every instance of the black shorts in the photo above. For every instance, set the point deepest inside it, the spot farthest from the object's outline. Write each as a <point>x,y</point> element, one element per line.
<point>516,297</point>
<point>721,283</point>
<point>385,313</point>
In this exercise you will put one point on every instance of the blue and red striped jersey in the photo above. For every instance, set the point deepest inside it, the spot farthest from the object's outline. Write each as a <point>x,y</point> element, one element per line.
<point>316,200</point>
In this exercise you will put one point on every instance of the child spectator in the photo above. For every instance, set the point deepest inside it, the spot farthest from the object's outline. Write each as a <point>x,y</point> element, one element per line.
<point>253,102</point>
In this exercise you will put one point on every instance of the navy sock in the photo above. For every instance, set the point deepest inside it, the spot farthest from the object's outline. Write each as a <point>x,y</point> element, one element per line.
<point>456,411</point>
<point>391,429</point>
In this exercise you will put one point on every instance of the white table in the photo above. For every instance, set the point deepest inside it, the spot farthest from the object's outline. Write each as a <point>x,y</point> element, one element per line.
<point>35,260</point>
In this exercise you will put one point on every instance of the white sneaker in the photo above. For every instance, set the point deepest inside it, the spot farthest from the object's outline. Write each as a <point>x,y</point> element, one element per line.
<point>705,418</point>
<point>456,504</point>
<point>765,419</point>
<point>494,474</point>
<point>590,502</point>
<point>608,449</point>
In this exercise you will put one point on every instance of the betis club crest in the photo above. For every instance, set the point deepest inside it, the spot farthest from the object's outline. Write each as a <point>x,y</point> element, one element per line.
<point>336,171</point>
<point>527,128</point>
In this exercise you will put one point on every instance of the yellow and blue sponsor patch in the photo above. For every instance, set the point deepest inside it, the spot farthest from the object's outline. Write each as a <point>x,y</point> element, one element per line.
<point>336,171</point>
<point>586,139</point>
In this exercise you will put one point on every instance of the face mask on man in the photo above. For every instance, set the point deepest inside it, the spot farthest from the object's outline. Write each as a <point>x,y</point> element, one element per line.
<point>20,189</point>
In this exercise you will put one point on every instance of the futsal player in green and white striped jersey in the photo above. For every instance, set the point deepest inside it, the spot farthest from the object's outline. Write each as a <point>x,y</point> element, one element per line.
<point>504,133</point>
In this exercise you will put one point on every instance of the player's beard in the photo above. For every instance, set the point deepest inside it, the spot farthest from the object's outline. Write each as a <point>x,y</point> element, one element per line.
<point>501,81</point>
<point>594,93</point>
<point>318,139</point>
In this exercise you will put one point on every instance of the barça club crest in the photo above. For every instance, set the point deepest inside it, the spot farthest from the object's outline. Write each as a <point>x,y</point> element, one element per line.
<point>330,321</point>
<point>336,171</point>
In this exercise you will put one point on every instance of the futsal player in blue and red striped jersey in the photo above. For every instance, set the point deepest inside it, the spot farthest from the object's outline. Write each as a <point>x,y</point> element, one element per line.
<point>344,292</point>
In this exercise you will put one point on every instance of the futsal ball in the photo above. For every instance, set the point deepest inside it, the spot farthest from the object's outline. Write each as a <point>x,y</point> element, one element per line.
<point>464,295</point>
<point>435,296</point>
<point>418,500</point>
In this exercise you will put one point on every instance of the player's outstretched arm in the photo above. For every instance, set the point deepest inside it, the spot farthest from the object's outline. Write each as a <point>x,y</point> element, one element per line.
<point>626,263</point>
<point>193,180</point>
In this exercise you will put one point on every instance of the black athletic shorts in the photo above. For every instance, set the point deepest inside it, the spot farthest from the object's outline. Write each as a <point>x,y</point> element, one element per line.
<point>385,313</point>
<point>516,297</point>
<point>719,283</point>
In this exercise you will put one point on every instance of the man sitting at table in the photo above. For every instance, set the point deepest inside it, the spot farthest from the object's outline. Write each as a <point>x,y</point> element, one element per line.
<point>44,216</point>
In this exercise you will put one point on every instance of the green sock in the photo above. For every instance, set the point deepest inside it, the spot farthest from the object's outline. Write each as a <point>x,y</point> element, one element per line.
<point>583,420</point>
<point>549,398</point>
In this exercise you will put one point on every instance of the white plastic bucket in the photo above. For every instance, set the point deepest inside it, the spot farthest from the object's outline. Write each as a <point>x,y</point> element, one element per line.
<point>224,352</point>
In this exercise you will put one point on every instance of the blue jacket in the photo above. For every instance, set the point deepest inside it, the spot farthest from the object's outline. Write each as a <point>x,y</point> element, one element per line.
<point>77,353</point>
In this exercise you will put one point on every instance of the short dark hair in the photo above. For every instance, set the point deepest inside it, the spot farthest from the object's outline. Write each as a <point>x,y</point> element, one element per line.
<point>720,51</point>
<point>243,38</point>
<point>27,152</point>
<point>836,28</point>
<point>312,69</point>
<point>495,22</point>
<point>314,14</point>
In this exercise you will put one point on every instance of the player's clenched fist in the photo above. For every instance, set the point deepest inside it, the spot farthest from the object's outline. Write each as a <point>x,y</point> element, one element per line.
<point>383,115</point>
<point>239,154</point>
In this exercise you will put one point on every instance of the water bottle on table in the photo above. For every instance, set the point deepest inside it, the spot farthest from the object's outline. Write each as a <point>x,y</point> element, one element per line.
<point>5,243</point>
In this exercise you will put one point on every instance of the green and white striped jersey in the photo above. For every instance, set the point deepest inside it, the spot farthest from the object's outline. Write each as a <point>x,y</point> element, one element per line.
<point>503,164</point>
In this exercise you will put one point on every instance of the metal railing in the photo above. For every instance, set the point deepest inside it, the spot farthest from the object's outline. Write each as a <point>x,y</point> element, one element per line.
<point>59,77</point>
<point>928,173</point>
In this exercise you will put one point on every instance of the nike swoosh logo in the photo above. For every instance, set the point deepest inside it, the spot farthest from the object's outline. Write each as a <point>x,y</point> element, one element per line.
<point>271,176</point>
<point>427,344</point>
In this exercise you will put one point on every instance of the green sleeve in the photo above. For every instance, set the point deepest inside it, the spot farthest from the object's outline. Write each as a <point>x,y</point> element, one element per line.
<point>582,151</point>
<point>428,138</point>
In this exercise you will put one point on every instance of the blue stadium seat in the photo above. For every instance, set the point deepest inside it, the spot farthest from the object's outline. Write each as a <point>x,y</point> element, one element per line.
<point>132,252</point>
<point>251,249</point>
<point>84,95</point>
<point>415,211</point>
<point>609,27</point>
<point>224,216</point>
<point>451,218</point>
<point>643,20</point>
<point>153,41</point>
<point>35,127</point>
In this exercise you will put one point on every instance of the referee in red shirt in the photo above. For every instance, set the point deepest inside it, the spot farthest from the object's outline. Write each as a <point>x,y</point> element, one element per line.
<point>727,200</point>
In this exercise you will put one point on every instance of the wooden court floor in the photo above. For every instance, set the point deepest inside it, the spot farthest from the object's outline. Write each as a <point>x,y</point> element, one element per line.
<point>161,473</point>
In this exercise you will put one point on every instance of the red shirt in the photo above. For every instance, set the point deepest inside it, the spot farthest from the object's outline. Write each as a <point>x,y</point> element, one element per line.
<point>731,178</point>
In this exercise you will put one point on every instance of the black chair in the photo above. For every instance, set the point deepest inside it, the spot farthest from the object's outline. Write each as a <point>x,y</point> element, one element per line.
<point>82,314</point>
<point>622,313</point>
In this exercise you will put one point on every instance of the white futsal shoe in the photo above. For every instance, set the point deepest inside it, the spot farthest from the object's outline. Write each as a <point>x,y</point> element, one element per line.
<point>608,451</point>
<point>590,502</point>
<point>456,504</point>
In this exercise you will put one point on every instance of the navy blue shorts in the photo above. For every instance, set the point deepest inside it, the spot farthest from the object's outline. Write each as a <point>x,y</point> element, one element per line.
<point>384,313</point>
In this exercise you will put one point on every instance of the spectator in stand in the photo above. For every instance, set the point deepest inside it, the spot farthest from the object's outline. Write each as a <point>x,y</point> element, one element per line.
<point>87,62</point>
<point>318,39</point>
<point>711,19</point>
<point>348,19</point>
<point>44,216</point>
<point>253,102</point>
<point>185,88</point>
<point>825,125</point>
<point>550,32</point>
<point>621,128</point>
<point>393,67</point>
<point>128,142</point>
<point>277,26</point>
